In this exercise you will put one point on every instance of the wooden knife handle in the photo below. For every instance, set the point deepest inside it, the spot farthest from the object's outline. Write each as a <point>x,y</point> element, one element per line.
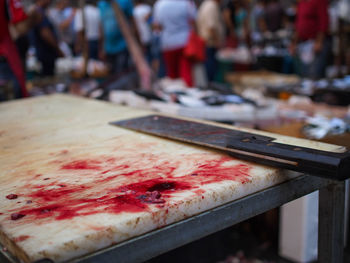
<point>316,162</point>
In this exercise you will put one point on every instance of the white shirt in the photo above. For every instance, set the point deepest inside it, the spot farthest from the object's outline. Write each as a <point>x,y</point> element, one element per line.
<point>141,13</point>
<point>209,17</point>
<point>344,10</point>
<point>93,21</point>
<point>174,16</point>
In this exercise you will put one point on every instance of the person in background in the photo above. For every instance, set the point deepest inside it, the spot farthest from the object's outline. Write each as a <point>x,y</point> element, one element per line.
<point>44,39</point>
<point>290,15</point>
<point>91,27</point>
<point>142,13</point>
<point>211,28</point>
<point>257,22</point>
<point>273,15</point>
<point>344,35</point>
<point>19,34</point>
<point>54,12</point>
<point>114,45</point>
<point>311,42</point>
<point>62,17</point>
<point>11,12</point>
<point>175,18</point>
<point>236,19</point>
<point>157,63</point>
<point>228,14</point>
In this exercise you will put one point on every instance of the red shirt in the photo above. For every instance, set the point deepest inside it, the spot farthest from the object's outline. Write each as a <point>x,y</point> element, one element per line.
<point>312,18</point>
<point>11,12</point>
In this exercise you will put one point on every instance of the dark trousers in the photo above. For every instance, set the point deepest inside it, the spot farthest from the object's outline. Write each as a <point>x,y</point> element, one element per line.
<point>93,49</point>
<point>119,62</point>
<point>48,66</point>
<point>211,63</point>
<point>317,68</point>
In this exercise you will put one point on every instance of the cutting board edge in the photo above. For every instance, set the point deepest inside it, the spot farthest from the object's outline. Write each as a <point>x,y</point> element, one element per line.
<point>13,248</point>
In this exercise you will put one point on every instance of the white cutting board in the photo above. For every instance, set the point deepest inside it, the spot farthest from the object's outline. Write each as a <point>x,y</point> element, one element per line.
<point>83,185</point>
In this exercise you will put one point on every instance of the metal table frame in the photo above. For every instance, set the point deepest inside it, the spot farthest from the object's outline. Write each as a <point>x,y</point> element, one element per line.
<point>147,246</point>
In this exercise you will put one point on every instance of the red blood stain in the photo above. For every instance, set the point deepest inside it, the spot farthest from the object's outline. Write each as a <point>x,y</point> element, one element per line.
<point>16,216</point>
<point>123,186</point>
<point>54,194</point>
<point>82,165</point>
<point>87,206</point>
<point>213,172</point>
<point>165,186</point>
<point>21,238</point>
<point>160,185</point>
<point>11,196</point>
<point>127,198</point>
<point>152,198</point>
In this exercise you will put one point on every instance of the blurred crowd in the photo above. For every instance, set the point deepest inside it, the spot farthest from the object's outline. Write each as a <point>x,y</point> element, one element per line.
<point>174,35</point>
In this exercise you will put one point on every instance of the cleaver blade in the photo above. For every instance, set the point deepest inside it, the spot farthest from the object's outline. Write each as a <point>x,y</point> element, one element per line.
<point>245,145</point>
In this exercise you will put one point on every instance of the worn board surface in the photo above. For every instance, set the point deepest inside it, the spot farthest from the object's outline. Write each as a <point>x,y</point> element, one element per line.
<point>71,184</point>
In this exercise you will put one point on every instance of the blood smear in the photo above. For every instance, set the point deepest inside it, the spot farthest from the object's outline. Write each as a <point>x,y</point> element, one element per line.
<point>11,196</point>
<point>123,186</point>
<point>21,238</point>
<point>82,165</point>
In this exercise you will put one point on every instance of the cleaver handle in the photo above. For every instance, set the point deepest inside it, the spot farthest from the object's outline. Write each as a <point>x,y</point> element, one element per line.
<point>316,162</point>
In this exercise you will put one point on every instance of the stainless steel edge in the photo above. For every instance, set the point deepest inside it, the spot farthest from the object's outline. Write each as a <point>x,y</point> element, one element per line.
<point>152,244</point>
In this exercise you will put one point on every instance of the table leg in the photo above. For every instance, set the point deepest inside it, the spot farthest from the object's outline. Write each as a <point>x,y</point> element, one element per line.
<point>331,223</point>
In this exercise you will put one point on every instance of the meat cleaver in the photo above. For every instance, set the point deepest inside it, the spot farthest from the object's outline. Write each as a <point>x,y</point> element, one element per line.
<point>244,145</point>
